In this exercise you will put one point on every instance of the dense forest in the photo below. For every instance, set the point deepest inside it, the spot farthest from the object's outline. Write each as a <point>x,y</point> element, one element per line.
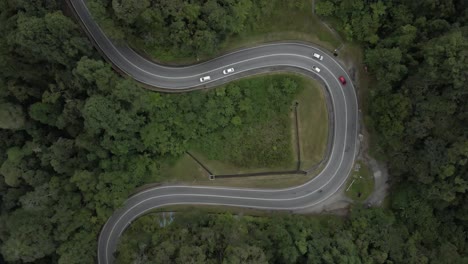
<point>77,138</point>
<point>418,54</point>
<point>367,236</point>
<point>72,131</point>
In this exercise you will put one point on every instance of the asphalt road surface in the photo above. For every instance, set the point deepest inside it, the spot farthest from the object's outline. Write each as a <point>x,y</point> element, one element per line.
<point>245,62</point>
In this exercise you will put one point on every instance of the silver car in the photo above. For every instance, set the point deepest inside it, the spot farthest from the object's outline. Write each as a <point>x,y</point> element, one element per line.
<point>205,78</point>
<point>318,56</point>
<point>227,71</point>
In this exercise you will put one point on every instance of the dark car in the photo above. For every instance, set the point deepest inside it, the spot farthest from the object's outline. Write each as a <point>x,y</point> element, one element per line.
<point>342,80</point>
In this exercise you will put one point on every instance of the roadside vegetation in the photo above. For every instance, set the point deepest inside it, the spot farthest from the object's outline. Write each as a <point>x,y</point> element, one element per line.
<point>179,31</point>
<point>201,237</point>
<point>76,139</point>
<point>360,183</point>
<point>260,134</point>
<point>180,169</point>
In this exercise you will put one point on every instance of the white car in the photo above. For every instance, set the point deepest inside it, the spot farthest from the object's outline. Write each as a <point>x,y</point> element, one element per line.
<point>315,68</point>
<point>227,71</point>
<point>205,78</point>
<point>318,56</point>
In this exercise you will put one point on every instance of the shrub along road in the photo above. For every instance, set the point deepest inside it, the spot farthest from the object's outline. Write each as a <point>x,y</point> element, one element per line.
<point>278,56</point>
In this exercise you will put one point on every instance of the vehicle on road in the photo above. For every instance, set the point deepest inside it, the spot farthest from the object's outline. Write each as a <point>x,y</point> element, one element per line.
<point>295,199</point>
<point>205,78</point>
<point>315,68</point>
<point>342,80</point>
<point>318,56</point>
<point>227,71</point>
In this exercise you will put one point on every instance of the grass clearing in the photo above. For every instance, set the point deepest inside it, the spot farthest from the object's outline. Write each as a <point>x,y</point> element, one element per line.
<point>361,184</point>
<point>313,123</point>
<point>313,129</point>
<point>261,137</point>
<point>271,181</point>
<point>219,167</point>
<point>202,177</point>
<point>185,170</point>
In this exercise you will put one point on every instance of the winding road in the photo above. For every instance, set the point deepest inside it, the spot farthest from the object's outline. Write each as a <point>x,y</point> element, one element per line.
<point>278,56</point>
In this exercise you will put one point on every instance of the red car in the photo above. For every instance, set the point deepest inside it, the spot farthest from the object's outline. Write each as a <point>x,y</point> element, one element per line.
<point>342,80</point>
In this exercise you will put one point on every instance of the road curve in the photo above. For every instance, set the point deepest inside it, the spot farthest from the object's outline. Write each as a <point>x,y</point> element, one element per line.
<point>246,62</point>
